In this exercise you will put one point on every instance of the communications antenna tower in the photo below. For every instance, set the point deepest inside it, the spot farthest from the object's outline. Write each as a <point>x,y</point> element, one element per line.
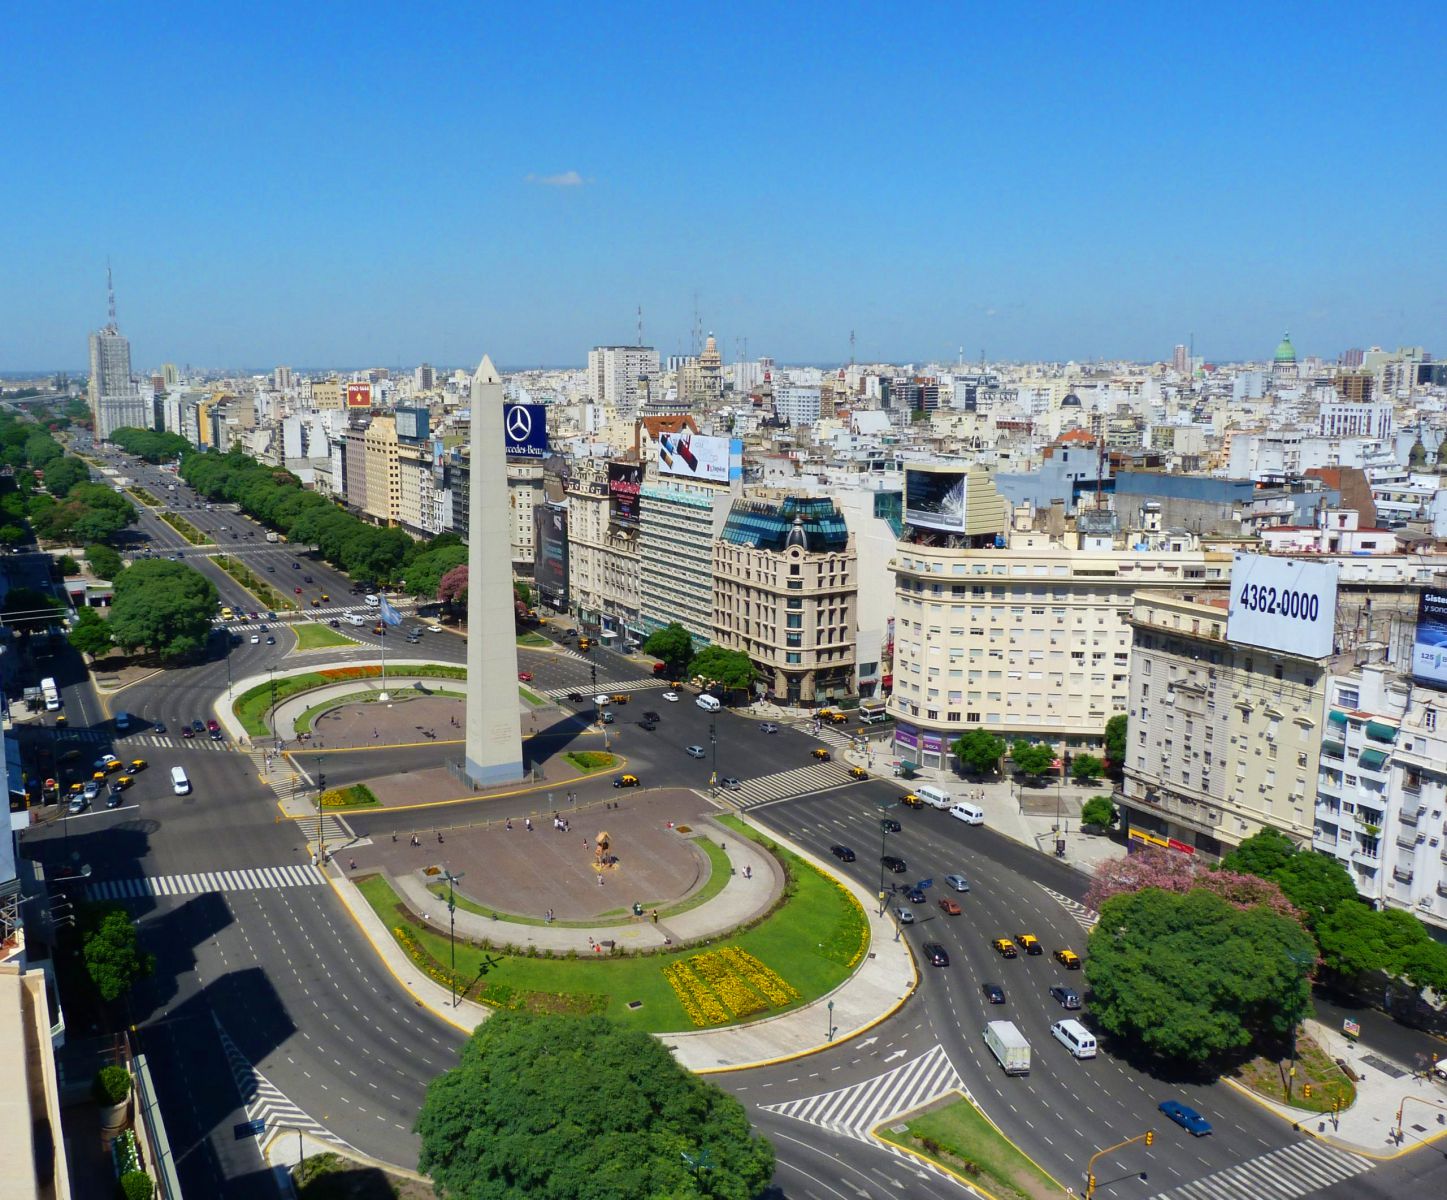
<point>111,296</point>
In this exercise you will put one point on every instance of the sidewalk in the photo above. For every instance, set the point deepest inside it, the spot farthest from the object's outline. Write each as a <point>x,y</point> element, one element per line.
<point>1370,1125</point>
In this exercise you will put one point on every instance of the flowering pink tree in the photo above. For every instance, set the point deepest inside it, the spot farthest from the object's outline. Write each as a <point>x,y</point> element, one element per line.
<point>1172,871</point>
<point>452,587</point>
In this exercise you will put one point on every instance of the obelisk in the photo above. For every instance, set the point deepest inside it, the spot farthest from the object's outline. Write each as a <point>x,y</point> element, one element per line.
<point>494,728</point>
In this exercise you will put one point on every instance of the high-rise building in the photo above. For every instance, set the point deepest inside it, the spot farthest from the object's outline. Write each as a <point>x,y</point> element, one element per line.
<point>281,379</point>
<point>621,377</point>
<point>1180,359</point>
<point>115,401</point>
<point>700,380</point>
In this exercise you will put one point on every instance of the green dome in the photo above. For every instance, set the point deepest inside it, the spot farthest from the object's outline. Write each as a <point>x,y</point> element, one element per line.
<point>1285,351</point>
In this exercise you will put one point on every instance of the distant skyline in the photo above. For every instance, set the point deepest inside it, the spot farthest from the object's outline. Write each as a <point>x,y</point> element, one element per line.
<point>375,185</point>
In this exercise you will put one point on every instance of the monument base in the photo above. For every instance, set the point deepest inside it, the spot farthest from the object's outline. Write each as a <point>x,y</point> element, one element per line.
<point>494,774</point>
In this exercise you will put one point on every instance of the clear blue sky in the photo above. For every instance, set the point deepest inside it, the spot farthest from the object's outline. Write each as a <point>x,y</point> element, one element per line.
<point>378,184</point>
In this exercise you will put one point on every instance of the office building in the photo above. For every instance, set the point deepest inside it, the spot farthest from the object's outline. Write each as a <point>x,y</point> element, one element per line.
<point>603,569</point>
<point>796,404</point>
<point>524,493</point>
<point>622,377</point>
<point>382,495</point>
<point>115,400</point>
<point>678,522</point>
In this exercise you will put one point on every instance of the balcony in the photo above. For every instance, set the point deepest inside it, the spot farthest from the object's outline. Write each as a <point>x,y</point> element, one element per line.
<point>1442,889</point>
<point>1402,874</point>
<point>1328,786</point>
<point>1411,818</point>
<point>1368,858</point>
<point>1324,840</point>
<point>1329,812</point>
<point>1408,839</point>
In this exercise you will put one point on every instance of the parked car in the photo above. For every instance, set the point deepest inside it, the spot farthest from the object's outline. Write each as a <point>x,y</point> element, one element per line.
<point>1186,1117</point>
<point>842,853</point>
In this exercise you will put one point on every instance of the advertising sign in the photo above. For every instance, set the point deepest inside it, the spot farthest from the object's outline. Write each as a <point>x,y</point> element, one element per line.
<point>550,564</point>
<point>525,429</point>
<point>694,456</point>
<point>1283,604</point>
<point>413,424</point>
<point>1429,644</point>
<point>625,482</point>
<point>359,395</point>
<point>935,499</point>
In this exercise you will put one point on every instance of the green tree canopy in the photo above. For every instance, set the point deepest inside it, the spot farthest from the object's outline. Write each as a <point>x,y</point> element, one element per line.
<point>1098,810</point>
<point>91,634</point>
<point>113,959</point>
<point>165,606</point>
<point>556,1108</point>
<point>732,668</point>
<point>1193,979</point>
<point>1032,758</point>
<point>28,609</point>
<point>1115,741</point>
<point>63,474</point>
<point>1085,767</point>
<point>426,570</point>
<point>1313,882</point>
<point>1356,939</point>
<point>148,444</point>
<point>104,562</point>
<point>979,751</point>
<point>673,645</point>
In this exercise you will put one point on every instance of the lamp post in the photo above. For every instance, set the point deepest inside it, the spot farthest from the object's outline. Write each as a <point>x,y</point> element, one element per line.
<point>452,929</point>
<point>831,1022</point>
<point>1299,959</point>
<point>713,745</point>
<point>883,835</point>
<point>321,837</point>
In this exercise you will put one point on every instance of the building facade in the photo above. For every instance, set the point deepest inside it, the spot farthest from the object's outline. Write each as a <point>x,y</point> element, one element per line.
<point>524,493</point>
<point>603,570</point>
<point>383,493</point>
<point>622,377</point>
<point>677,525</point>
<point>115,401</point>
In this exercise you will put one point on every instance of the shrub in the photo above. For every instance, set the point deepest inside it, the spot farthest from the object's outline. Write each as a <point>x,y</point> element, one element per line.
<point>137,1185</point>
<point>111,1085</point>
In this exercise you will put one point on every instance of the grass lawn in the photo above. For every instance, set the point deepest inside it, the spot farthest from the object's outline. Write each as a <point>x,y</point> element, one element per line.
<point>144,496</point>
<point>185,529</point>
<point>358,795</point>
<point>253,704</point>
<point>311,636</point>
<point>958,1136</point>
<point>812,941</point>
<point>535,641</point>
<point>531,697</point>
<point>304,722</point>
<point>1269,1076</point>
<point>589,761</point>
<point>718,876</point>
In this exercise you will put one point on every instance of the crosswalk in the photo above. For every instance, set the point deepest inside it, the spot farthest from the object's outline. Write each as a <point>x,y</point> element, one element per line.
<point>856,1110</point>
<point>202,741</point>
<point>832,735</point>
<point>1294,1170</point>
<point>1086,918</point>
<point>605,687</point>
<point>265,1102</point>
<point>786,784</point>
<point>336,833</point>
<point>241,879</point>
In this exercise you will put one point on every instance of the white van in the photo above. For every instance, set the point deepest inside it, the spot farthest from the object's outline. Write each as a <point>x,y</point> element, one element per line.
<point>708,703</point>
<point>179,783</point>
<point>355,618</point>
<point>967,813</point>
<point>1075,1037</point>
<point>372,600</point>
<point>933,796</point>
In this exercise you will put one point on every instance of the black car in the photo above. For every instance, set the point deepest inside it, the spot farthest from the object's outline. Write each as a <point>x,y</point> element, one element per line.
<point>890,825</point>
<point>1066,997</point>
<point>575,697</point>
<point>842,853</point>
<point>198,726</point>
<point>890,863</point>
<point>914,895</point>
<point>937,954</point>
<point>650,715</point>
<point>994,993</point>
<point>648,725</point>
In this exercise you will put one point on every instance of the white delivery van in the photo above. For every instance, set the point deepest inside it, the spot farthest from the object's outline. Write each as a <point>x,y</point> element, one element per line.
<point>967,813</point>
<point>1009,1047</point>
<point>708,703</point>
<point>179,783</point>
<point>933,796</point>
<point>372,600</point>
<point>1075,1037</point>
<point>355,618</point>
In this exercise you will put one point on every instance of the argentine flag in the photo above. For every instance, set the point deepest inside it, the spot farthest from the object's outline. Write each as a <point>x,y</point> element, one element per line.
<point>390,615</point>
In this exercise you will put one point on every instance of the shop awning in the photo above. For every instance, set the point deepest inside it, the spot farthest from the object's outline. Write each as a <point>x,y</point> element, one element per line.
<point>1372,760</point>
<point>1333,749</point>
<point>1337,718</point>
<point>1381,733</point>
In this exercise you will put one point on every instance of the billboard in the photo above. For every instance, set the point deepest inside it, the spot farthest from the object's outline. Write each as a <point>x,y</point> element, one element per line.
<point>694,456</point>
<point>1429,643</point>
<point>359,395</point>
<point>525,430</point>
<point>413,424</point>
<point>1283,604</point>
<point>935,499</point>
<point>550,558</point>
<point>625,481</point>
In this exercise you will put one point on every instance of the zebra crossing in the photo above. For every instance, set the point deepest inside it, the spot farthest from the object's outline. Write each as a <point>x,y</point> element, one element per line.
<point>265,1102</point>
<point>335,832</point>
<point>786,784</point>
<point>605,687</point>
<point>1293,1170</point>
<point>855,1111</point>
<point>239,879</point>
<point>832,735</point>
<point>1086,918</point>
<point>162,741</point>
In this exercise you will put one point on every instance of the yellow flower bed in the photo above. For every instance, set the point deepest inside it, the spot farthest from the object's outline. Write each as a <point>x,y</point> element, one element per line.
<point>719,985</point>
<point>759,977</point>
<point>698,1002</point>
<point>718,972</point>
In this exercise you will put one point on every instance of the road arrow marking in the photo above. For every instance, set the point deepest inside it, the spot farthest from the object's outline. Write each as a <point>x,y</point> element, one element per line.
<point>869,1041</point>
<point>896,1054</point>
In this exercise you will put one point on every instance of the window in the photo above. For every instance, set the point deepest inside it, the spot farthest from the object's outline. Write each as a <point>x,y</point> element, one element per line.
<point>793,658</point>
<point>795,621</point>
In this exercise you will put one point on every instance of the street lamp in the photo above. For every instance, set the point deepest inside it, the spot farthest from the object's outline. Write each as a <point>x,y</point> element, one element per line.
<point>713,744</point>
<point>452,929</point>
<point>321,837</point>
<point>1299,959</point>
<point>831,1021</point>
<point>883,834</point>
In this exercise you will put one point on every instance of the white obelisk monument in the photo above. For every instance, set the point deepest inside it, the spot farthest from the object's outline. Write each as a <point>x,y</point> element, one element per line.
<point>494,728</point>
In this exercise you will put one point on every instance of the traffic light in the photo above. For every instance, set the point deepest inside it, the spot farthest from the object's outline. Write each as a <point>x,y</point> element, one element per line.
<point>1150,1137</point>
<point>1090,1185</point>
<point>1306,1090</point>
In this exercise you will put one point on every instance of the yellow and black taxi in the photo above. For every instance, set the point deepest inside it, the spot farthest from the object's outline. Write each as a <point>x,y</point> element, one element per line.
<point>819,754</point>
<point>1029,943</point>
<point>858,773</point>
<point>139,764</point>
<point>910,800</point>
<point>1005,948</point>
<point>1068,959</point>
<point>833,716</point>
<point>622,781</point>
<point>620,697</point>
<point>123,781</point>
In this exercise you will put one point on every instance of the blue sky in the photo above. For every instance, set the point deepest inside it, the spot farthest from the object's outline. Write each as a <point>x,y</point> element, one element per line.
<point>372,184</point>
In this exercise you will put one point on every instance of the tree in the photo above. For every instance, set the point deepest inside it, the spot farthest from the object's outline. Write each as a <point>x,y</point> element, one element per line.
<point>113,959</point>
<point>1115,742</point>
<point>1356,939</point>
<point>1261,854</point>
<point>91,634</point>
<point>1085,767</point>
<point>979,751</point>
<point>1313,882</point>
<point>1031,759</point>
<point>1099,810</point>
<point>105,563</point>
<point>12,534</point>
<point>673,645</point>
<point>732,669</point>
<point>1173,871</point>
<point>63,474</point>
<point>452,587</point>
<point>522,592</point>
<point>164,606</point>
<point>1192,978</point>
<point>556,1107</point>
<point>425,572</point>
<point>27,609</point>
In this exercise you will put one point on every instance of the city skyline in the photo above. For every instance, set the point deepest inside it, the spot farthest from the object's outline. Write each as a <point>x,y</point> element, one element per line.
<point>1093,188</point>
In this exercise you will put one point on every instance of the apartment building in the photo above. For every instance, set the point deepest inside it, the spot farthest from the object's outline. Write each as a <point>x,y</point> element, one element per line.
<point>524,493</point>
<point>382,497</point>
<point>603,569</point>
<point>678,522</point>
<point>1223,738</point>
<point>785,594</point>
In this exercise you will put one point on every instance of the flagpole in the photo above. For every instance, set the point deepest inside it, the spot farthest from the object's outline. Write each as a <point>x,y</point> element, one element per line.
<point>382,614</point>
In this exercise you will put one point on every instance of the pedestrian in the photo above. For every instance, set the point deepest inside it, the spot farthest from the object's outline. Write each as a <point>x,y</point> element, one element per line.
<point>600,879</point>
<point>439,837</point>
<point>394,837</point>
<point>509,823</point>
<point>654,915</point>
<point>353,864</point>
<point>374,733</point>
<point>748,872</point>
<point>416,841</point>
<point>528,821</point>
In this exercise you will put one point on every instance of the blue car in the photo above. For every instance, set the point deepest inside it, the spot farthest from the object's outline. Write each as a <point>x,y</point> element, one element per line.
<point>1186,1117</point>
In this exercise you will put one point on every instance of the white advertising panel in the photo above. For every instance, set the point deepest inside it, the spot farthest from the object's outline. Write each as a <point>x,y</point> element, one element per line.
<point>1429,645</point>
<point>1286,604</point>
<point>935,499</point>
<point>694,456</point>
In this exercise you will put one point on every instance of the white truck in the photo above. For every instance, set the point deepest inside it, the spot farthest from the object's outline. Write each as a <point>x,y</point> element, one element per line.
<point>1009,1047</point>
<point>272,536</point>
<point>51,693</point>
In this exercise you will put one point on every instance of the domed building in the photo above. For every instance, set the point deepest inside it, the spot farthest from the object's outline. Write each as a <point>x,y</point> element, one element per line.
<point>1285,352</point>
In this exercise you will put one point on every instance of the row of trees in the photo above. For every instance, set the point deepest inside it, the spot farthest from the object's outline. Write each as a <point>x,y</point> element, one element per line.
<point>980,751</point>
<point>673,644</point>
<point>149,445</point>
<point>160,606</point>
<point>68,507</point>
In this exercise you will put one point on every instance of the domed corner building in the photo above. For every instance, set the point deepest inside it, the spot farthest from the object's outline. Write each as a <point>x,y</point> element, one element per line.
<point>1284,361</point>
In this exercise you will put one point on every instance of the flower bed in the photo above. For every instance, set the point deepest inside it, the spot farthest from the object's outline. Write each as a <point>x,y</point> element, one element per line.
<point>726,984</point>
<point>759,977</point>
<point>698,1002</point>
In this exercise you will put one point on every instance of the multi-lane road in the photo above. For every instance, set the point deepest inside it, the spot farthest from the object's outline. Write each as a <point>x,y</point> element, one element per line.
<point>264,979</point>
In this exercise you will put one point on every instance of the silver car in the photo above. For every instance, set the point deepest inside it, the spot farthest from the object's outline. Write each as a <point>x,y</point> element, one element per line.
<point>904,915</point>
<point>695,751</point>
<point>958,882</point>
